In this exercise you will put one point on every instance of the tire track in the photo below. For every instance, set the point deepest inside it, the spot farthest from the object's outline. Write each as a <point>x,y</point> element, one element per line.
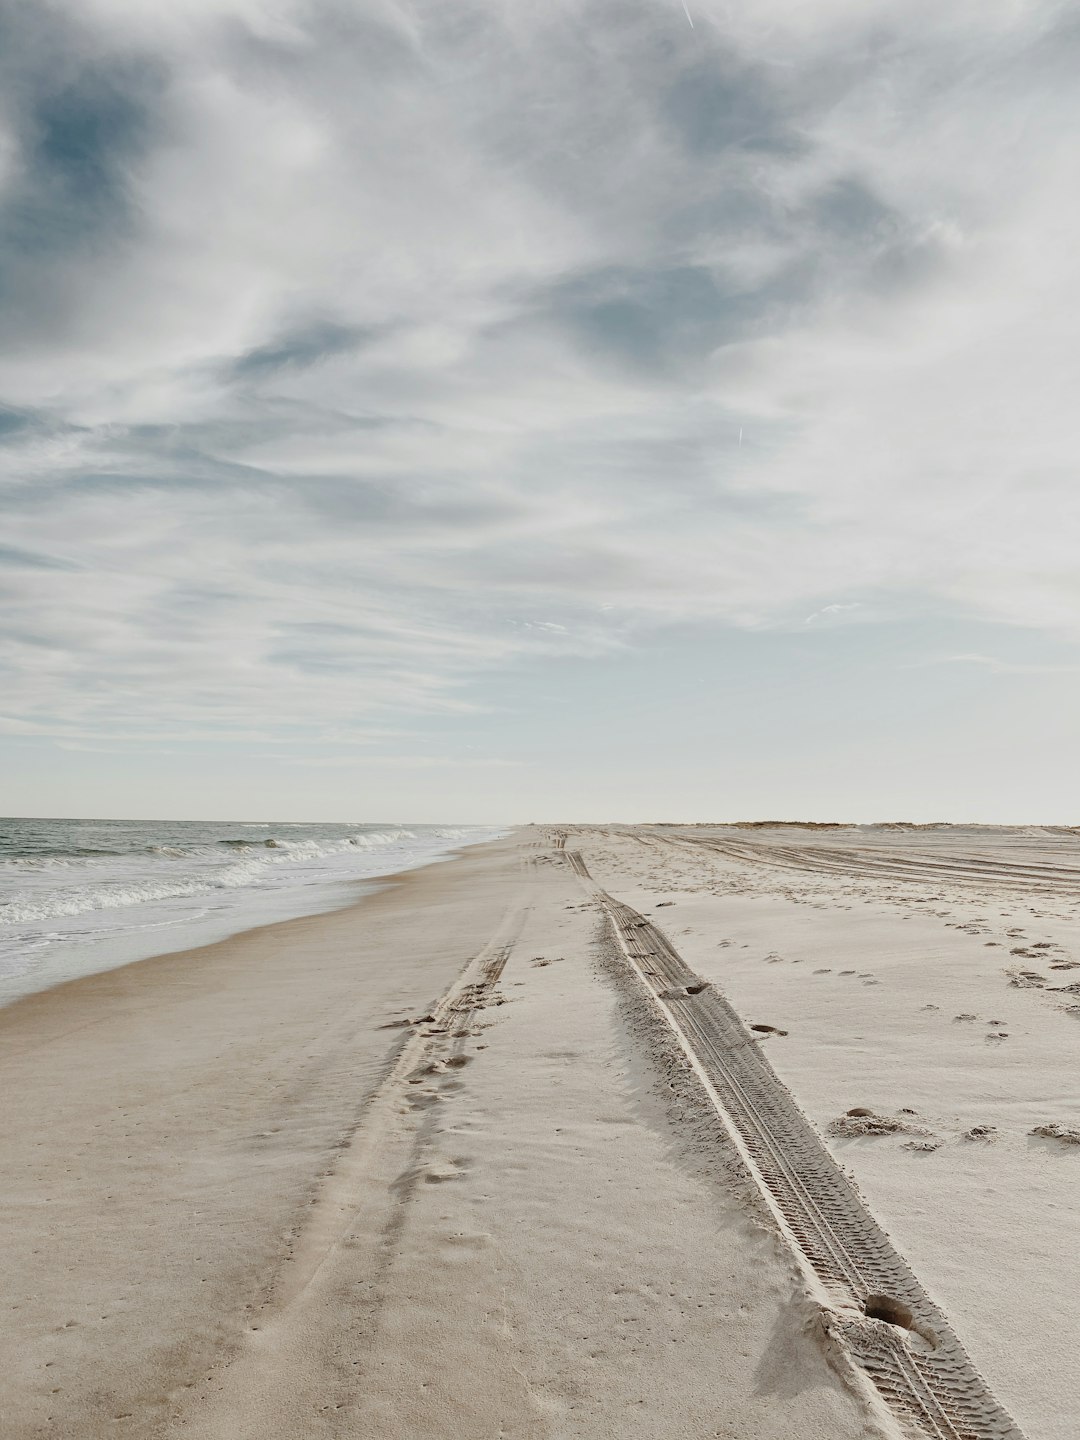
<point>308,1359</point>
<point>451,1019</point>
<point>875,1305</point>
<point>884,864</point>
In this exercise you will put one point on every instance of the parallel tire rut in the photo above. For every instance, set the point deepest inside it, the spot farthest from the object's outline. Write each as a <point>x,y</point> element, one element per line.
<point>458,1011</point>
<point>884,865</point>
<point>923,1372</point>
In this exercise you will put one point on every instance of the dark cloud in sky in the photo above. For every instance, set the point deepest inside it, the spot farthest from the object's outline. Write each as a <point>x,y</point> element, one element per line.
<point>656,320</point>
<point>78,123</point>
<point>719,104</point>
<point>303,346</point>
<point>11,556</point>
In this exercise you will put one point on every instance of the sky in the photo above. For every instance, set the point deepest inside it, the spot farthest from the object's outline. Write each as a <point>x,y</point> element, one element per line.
<point>483,410</point>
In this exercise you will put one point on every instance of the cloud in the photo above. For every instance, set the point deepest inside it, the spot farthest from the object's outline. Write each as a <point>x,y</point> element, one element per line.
<point>829,610</point>
<point>351,356</point>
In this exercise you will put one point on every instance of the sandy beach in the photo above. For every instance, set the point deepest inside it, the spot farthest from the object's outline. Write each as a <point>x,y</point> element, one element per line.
<point>554,1140</point>
<point>540,663</point>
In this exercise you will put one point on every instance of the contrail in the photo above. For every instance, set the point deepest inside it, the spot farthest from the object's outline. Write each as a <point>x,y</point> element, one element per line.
<point>687,12</point>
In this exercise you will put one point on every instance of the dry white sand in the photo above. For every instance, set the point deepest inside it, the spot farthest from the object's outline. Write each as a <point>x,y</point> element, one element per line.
<point>240,1200</point>
<point>889,959</point>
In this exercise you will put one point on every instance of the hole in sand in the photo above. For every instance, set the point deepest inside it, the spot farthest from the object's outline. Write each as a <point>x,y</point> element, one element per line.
<point>893,1312</point>
<point>694,989</point>
<point>767,1030</point>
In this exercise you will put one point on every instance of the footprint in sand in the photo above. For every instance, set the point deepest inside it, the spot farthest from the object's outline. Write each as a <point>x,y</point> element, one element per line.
<point>441,1172</point>
<point>1064,1133</point>
<point>826,970</point>
<point>1026,979</point>
<point>423,1099</point>
<point>425,1072</point>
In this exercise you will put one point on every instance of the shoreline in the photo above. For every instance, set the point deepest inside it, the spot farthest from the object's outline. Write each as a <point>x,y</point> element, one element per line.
<point>204,952</point>
<point>86,953</point>
<point>154,1095</point>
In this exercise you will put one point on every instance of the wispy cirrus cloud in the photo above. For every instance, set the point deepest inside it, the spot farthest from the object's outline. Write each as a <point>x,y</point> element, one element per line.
<point>350,355</point>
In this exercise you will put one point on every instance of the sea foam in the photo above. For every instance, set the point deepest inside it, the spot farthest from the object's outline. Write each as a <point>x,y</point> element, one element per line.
<point>140,887</point>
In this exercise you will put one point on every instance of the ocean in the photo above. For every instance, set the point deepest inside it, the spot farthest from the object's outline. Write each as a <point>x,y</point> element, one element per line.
<point>84,895</point>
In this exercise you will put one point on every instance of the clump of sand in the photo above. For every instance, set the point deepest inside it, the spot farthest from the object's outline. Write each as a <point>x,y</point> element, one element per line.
<point>1058,1132</point>
<point>860,1121</point>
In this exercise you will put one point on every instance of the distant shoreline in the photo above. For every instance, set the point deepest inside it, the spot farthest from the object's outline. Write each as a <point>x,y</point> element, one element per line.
<point>78,896</point>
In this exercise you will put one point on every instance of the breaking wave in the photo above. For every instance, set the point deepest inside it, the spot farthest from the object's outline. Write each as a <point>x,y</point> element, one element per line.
<point>62,878</point>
